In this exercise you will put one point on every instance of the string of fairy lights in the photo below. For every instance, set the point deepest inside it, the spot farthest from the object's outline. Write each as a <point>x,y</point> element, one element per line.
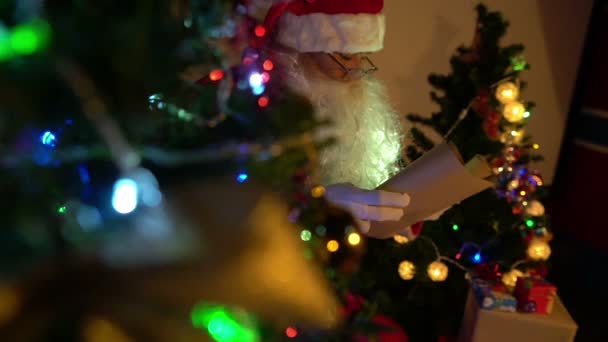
<point>516,184</point>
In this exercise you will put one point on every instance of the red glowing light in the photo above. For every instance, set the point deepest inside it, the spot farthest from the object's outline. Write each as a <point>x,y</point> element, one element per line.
<point>265,77</point>
<point>458,256</point>
<point>291,332</point>
<point>260,31</point>
<point>216,75</point>
<point>268,65</point>
<point>263,101</point>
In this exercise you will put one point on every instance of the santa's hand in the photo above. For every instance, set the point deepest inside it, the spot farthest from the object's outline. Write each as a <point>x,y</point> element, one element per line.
<point>368,205</point>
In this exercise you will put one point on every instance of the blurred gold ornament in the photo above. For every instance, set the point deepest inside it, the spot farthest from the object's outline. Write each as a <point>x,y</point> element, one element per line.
<point>539,250</point>
<point>535,208</point>
<point>507,92</point>
<point>510,278</point>
<point>400,239</point>
<point>514,112</point>
<point>407,270</point>
<point>437,271</point>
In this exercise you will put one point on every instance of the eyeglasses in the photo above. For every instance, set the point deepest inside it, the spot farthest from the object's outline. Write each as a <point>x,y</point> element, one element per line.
<point>355,73</point>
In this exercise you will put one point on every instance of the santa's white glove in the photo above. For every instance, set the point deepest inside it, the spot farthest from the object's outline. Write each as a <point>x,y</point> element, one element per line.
<point>368,205</point>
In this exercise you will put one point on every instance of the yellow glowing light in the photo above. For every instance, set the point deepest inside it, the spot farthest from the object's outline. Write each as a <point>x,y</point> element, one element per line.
<point>536,146</point>
<point>507,92</point>
<point>354,239</point>
<point>333,246</point>
<point>318,192</point>
<point>437,271</point>
<point>522,193</point>
<point>9,304</point>
<point>510,278</point>
<point>400,239</point>
<point>407,270</point>
<point>514,111</point>
<point>539,250</point>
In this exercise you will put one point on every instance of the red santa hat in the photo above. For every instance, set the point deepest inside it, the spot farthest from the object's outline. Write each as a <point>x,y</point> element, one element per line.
<point>346,26</point>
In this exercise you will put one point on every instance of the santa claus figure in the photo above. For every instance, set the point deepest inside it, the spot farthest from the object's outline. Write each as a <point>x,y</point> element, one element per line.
<point>325,48</point>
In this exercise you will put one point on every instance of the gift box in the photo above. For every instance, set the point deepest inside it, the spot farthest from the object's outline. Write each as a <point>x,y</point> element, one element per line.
<point>490,297</point>
<point>480,325</point>
<point>535,295</point>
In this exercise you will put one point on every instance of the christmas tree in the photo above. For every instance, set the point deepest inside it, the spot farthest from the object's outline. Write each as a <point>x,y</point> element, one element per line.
<point>131,129</point>
<point>499,234</point>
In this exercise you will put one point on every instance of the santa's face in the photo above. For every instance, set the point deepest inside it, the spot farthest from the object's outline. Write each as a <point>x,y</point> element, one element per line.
<point>365,126</point>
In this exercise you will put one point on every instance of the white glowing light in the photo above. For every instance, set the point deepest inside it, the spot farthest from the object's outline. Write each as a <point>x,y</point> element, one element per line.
<point>256,80</point>
<point>124,196</point>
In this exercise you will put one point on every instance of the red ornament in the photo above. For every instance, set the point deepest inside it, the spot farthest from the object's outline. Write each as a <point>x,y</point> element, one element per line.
<point>491,129</point>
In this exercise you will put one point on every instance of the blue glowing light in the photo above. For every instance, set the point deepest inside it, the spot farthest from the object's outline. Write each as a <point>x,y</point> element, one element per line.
<point>124,196</point>
<point>258,90</point>
<point>256,80</point>
<point>48,138</point>
<point>242,177</point>
<point>477,258</point>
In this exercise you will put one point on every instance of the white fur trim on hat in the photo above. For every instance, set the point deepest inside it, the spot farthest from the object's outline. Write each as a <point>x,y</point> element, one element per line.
<point>345,33</point>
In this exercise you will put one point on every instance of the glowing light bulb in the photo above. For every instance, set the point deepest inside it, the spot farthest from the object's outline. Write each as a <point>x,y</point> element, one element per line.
<point>510,278</point>
<point>333,246</point>
<point>124,196</point>
<point>268,65</point>
<point>258,90</point>
<point>256,80</point>
<point>354,239</point>
<point>216,75</point>
<point>507,92</point>
<point>318,191</point>
<point>437,271</point>
<point>514,112</point>
<point>477,258</point>
<point>260,31</point>
<point>400,239</point>
<point>242,177</point>
<point>407,270</point>
<point>527,114</point>
<point>225,325</point>
<point>291,332</point>
<point>536,146</point>
<point>263,102</point>
<point>530,223</point>
<point>306,235</point>
<point>455,227</point>
<point>539,250</point>
<point>48,138</point>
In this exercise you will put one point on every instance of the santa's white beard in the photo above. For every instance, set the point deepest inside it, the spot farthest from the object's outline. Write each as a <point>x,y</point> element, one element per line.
<point>367,129</point>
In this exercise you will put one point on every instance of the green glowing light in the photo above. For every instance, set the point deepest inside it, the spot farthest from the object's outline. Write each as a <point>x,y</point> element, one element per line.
<point>455,227</point>
<point>24,39</point>
<point>530,223</point>
<point>62,209</point>
<point>305,235</point>
<point>225,325</point>
<point>519,63</point>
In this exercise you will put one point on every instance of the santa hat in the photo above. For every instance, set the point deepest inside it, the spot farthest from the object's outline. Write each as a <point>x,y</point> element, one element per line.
<point>346,26</point>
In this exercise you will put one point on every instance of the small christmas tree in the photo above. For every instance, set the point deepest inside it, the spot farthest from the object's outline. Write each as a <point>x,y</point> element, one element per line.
<point>500,233</point>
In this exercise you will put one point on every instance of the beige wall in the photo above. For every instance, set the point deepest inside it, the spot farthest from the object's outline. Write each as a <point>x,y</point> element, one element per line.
<point>422,35</point>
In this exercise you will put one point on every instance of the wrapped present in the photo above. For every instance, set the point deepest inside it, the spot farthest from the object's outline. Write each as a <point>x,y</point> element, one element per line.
<point>480,325</point>
<point>491,297</point>
<point>535,294</point>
